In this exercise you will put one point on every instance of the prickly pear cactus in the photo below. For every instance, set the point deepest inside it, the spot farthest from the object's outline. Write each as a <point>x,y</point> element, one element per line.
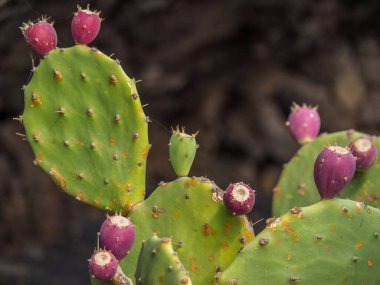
<point>182,149</point>
<point>332,242</point>
<point>158,263</point>
<point>191,212</point>
<point>87,128</point>
<point>296,187</point>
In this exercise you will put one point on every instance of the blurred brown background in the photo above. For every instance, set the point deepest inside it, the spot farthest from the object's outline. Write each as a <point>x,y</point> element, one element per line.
<point>228,68</point>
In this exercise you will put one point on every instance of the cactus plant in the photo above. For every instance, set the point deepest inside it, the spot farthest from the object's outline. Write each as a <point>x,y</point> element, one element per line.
<point>87,128</point>
<point>298,190</point>
<point>158,263</point>
<point>332,242</point>
<point>86,125</point>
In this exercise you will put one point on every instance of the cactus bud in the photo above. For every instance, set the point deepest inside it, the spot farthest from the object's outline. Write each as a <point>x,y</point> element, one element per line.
<point>304,123</point>
<point>239,198</point>
<point>333,170</point>
<point>85,26</point>
<point>365,152</point>
<point>117,234</point>
<point>103,265</point>
<point>41,36</point>
<point>182,149</point>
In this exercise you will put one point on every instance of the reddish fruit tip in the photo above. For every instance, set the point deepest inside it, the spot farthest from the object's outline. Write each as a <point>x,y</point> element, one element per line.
<point>365,152</point>
<point>304,123</point>
<point>333,170</point>
<point>239,198</point>
<point>85,26</point>
<point>41,36</point>
<point>103,265</point>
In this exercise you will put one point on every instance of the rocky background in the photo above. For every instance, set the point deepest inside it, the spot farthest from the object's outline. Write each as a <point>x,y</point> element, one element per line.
<point>228,68</point>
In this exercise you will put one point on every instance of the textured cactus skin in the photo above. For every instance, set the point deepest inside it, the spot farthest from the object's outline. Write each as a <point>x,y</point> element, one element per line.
<point>203,233</point>
<point>332,242</point>
<point>87,128</point>
<point>296,187</point>
<point>182,149</point>
<point>158,263</point>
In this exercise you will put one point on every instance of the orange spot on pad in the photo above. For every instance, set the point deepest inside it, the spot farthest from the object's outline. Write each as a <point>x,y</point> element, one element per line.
<point>194,265</point>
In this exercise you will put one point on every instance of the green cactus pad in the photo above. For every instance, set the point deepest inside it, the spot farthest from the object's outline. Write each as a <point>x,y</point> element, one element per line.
<point>159,264</point>
<point>296,187</point>
<point>191,212</point>
<point>332,242</point>
<point>182,149</point>
<point>87,128</point>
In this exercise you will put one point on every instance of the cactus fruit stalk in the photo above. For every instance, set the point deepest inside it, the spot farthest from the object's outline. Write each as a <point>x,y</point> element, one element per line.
<point>85,26</point>
<point>41,37</point>
<point>304,123</point>
<point>333,170</point>
<point>182,149</point>
<point>239,198</point>
<point>117,234</point>
<point>365,152</point>
<point>103,265</point>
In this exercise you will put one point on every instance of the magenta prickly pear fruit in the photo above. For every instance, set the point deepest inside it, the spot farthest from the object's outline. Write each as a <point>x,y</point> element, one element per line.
<point>304,123</point>
<point>85,26</point>
<point>117,234</point>
<point>365,152</point>
<point>41,36</point>
<point>333,170</point>
<point>239,198</point>
<point>103,265</point>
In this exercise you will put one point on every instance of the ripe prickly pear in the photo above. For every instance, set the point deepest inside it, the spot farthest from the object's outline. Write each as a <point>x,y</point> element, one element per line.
<point>103,265</point>
<point>365,152</point>
<point>85,26</point>
<point>304,123</point>
<point>117,234</point>
<point>41,36</point>
<point>182,149</point>
<point>239,198</point>
<point>333,170</point>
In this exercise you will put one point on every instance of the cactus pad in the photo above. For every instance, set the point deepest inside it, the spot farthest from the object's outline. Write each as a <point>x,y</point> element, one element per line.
<point>332,242</point>
<point>191,212</point>
<point>296,187</point>
<point>182,149</point>
<point>87,128</point>
<point>159,264</point>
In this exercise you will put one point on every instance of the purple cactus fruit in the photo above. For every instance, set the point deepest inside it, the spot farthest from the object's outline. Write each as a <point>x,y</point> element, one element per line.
<point>103,265</point>
<point>41,36</point>
<point>333,170</point>
<point>117,234</point>
<point>365,152</point>
<point>239,198</point>
<point>85,26</point>
<point>304,123</point>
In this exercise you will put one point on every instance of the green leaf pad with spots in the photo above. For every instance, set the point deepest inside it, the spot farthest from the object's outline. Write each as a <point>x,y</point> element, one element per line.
<point>296,187</point>
<point>332,242</point>
<point>191,212</point>
<point>87,128</point>
<point>158,263</point>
